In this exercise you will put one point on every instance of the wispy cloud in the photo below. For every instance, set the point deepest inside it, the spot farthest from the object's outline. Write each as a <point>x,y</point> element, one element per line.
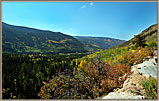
<point>91,3</point>
<point>84,6</point>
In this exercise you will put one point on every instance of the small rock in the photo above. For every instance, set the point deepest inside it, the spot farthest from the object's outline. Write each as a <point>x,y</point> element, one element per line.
<point>147,58</point>
<point>115,90</point>
<point>139,68</point>
<point>134,70</point>
<point>155,52</point>
<point>147,76</point>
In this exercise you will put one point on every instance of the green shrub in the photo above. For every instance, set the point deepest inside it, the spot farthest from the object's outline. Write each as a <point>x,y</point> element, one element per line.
<point>150,86</point>
<point>133,47</point>
<point>152,44</point>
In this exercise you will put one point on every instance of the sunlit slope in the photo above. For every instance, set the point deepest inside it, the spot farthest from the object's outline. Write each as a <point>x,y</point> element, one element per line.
<point>150,34</point>
<point>114,54</point>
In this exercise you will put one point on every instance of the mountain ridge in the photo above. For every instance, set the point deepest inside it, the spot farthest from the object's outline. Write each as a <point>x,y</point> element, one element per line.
<point>100,42</point>
<point>21,39</point>
<point>29,40</point>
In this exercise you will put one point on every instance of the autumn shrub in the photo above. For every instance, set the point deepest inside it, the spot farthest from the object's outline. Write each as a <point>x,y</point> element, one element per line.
<point>99,77</point>
<point>117,71</point>
<point>89,80</point>
<point>150,86</point>
<point>108,85</point>
<point>89,76</point>
<point>60,87</point>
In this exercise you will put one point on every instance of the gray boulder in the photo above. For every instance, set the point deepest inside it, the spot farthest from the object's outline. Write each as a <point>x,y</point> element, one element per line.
<point>122,95</point>
<point>148,67</point>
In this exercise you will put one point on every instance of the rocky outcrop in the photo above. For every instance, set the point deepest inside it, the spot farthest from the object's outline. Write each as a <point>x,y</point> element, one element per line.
<point>122,95</point>
<point>148,67</point>
<point>131,88</point>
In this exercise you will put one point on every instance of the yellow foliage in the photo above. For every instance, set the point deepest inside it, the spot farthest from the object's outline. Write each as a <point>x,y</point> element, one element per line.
<point>81,63</point>
<point>133,51</point>
<point>94,45</point>
<point>106,61</point>
<point>63,41</point>
<point>73,72</point>
<point>97,52</point>
<point>110,62</point>
<point>84,62</point>
<point>14,97</point>
<point>44,82</point>
<point>30,55</point>
<point>76,62</point>
<point>53,41</point>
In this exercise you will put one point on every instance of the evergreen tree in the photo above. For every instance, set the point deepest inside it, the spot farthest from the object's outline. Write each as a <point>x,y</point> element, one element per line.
<point>140,41</point>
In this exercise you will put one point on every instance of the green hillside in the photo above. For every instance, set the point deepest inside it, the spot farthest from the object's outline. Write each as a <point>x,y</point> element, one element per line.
<point>17,39</point>
<point>149,34</point>
<point>98,43</point>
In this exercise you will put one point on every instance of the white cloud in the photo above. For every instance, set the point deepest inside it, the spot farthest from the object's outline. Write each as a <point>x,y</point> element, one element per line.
<point>91,3</point>
<point>83,6</point>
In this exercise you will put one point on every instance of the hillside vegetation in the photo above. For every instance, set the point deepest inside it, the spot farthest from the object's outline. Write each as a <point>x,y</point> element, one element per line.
<point>98,74</point>
<point>23,40</point>
<point>71,76</point>
<point>23,74</point>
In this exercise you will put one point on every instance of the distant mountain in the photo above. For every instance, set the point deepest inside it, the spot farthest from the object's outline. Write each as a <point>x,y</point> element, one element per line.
<point>98,43</point>
<point>149,34</point>
<point>18,39</point>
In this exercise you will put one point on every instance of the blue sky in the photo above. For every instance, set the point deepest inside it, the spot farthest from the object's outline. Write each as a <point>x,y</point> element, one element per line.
<point>120,20</point>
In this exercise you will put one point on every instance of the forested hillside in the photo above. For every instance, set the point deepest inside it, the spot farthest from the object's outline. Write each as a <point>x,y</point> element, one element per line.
<point>23,75</point>
<point>24,40</point>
